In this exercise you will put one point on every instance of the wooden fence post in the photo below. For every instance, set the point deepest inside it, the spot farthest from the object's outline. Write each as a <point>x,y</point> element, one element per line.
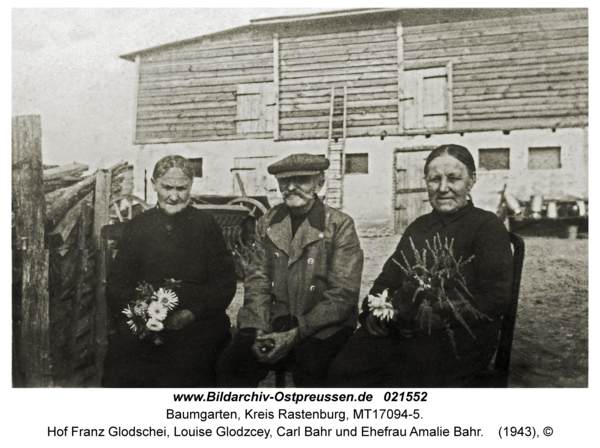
<point>101,217</point>
<point>79,281</point>
<point>30,209</point>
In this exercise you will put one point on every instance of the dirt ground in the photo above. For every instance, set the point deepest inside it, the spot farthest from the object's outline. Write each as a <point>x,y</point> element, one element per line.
<point>550,347</point>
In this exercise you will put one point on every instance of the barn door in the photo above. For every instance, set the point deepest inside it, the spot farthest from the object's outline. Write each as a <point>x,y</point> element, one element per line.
<point>247,177</point>
<point>426,102</point>
<point>411,199</point>
<point>255,103</point>
<point>255,178</point>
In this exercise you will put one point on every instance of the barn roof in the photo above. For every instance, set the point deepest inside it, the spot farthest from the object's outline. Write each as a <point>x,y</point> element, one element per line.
<point>408,17</point>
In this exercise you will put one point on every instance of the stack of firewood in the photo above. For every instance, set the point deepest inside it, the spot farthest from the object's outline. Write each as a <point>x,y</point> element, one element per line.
<point>73,272</point>
<point>58,177</point>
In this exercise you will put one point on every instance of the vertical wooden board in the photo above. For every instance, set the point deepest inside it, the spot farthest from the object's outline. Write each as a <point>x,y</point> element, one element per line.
<point>250,110</point>
<point>27,178</point>
<point>259,109</point>
<point>409,204</point>
<point>415,161</point>
<point>247,95</point>
<point>434,95</point>
<point>435,98</point>
<point>80,279</point>
<point>136,88</point>
<point>399,203</point>
<point>270,106</point>
<point>409,99</point>
<point>35,327</point>
<point>101,218</point>
<point>243,106</point>
<point>255,109</point>
<point>425,207</point>
<point>267,103</point>
<point>411,211</point>
<point>274,123</point>
<point>270,92</point>
<point>29,206</point>
<point>400,36</point>
<point>419,99</point>
<point>270,118</point>
<point>399,220</point>
<point>449,95</point>
<point>248,180</point>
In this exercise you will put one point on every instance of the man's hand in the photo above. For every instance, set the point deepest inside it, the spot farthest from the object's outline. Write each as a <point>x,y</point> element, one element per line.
<point>179,319</point>
<point>261,347</point>
<point>376,326</point>
<point>279,346</point>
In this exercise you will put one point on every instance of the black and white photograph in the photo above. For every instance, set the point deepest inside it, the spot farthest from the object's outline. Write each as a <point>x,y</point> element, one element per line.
<point>279,202</point>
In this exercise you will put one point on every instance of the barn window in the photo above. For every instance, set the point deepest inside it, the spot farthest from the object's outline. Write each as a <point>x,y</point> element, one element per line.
<point>197,163</point>
<point>547,158</point>
<point>357,164</point>
<point>426,101</point>
<point>255,103</point>
<point>494,159</point>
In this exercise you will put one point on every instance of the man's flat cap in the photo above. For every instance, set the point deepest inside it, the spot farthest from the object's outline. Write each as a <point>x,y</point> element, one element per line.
<point>299,165</point>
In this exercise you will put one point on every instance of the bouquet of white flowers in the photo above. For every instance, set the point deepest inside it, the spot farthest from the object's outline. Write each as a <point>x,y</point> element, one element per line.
<point>151,307</point>
<point>381,306</point>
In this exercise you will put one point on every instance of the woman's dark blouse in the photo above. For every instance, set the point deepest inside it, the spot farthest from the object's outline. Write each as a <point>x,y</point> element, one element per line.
<point>475,232</point>
<point>187,246</point>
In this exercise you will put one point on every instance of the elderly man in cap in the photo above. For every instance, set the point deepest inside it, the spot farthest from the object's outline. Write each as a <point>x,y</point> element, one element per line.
<point>302,288</point>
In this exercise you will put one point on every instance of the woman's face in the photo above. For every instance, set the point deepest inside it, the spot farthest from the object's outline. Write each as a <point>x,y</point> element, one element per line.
<point>448,184</point>
<point>173,190</point>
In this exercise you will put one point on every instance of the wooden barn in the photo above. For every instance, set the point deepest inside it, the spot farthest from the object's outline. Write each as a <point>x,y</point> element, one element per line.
<point>375,90</point>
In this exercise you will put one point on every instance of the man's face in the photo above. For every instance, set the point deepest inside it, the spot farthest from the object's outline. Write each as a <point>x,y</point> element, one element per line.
<point>299,191</point>
<point>173,190</point>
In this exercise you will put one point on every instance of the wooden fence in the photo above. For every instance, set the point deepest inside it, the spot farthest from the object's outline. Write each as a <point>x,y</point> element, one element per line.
<point>59,267</point>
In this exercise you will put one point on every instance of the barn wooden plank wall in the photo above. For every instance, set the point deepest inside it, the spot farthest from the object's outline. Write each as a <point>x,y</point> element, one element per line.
<point>365,61</point>
<point>509,73</point>
<point>189,93</point>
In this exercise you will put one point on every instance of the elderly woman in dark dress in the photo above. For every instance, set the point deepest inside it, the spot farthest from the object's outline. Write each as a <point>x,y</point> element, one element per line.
<point>400,353</point>
<point>172,241</point>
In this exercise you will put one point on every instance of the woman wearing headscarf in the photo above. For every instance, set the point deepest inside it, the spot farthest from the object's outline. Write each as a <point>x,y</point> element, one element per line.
<point>402,352</point>
<point>171,241</point>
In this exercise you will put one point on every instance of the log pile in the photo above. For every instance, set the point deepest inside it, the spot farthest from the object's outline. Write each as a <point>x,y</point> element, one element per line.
<point>59,324</point>
<point>76,308</point>
<point>73,277</point>
<point>57,177</point>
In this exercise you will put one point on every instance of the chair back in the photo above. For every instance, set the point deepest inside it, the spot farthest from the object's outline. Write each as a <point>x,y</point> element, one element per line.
<point>507,329</point>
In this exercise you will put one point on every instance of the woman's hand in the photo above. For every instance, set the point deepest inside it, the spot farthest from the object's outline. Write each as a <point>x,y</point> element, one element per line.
<point>375,326</point>
<point>403,301</point>
<point>179,319</point>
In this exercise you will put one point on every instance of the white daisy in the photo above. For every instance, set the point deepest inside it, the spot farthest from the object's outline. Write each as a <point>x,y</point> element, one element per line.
<point>166,297</point>
<point>157,311</point>
<point>140,308</point>
<point>132,325</point>
<point>127,311</point>
<point>386,312</point>
<point>154,325</point>
<point>380,307</point>
<point>379,300</point>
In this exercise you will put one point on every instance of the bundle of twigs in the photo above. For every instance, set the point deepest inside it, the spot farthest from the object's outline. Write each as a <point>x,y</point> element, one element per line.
<point>442,287</point>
